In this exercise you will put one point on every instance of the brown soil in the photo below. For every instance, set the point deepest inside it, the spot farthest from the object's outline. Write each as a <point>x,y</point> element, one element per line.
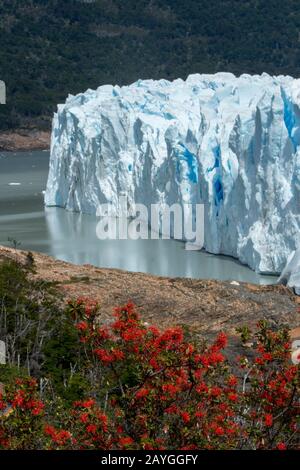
<point>207,306</point>
<point>25,140</point>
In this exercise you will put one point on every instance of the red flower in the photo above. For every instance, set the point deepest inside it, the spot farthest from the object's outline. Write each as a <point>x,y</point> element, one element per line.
<point>59,437</point>
<point>170,339</point>
<point>103,333</point>
<point>173,409</point>
<point>109,357</point>
<point>91,429</point>
<point>232,381</point>
<point>18,399</point>
<point>85,404</point>
<point>63,436</point>
<point>49,430</point>
<point>232,396</point>
<point>231,431</point>
<point>281,446</point>
<point>142,393</point>
<point>125,441</point>
<point>267,357</point>
<point>216,358</point>
<point>202,388</point>
<point>133,334</point>
<point>219,431</point>
<point>103,418</point>
<point>118,355</point>
<point>185,416</point>
<point>153,363</point>
<point>84,417</point>
<point>37,408</point>
<point>215,392</point>
<point>170,389</point>
<point>82,326</point>
<point>3,404</point>
<point>203,359</point>
<point>104,356</point>
<point>221,340</point>
<point>259,361</point>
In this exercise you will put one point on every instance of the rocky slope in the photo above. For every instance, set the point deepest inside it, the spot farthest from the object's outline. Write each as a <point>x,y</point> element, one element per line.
<point>24,140</point>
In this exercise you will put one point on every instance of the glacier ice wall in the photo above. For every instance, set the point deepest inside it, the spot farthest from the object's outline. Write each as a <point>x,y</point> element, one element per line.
<point>230,142</point>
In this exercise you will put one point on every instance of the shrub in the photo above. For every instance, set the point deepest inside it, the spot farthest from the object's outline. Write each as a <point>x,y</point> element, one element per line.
<point>39,334</point>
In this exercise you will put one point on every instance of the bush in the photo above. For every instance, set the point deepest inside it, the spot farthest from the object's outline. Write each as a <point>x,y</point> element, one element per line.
<point>38,332</point>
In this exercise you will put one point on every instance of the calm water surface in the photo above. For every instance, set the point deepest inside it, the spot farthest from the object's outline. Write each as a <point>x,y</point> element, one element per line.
<point>72,237</point>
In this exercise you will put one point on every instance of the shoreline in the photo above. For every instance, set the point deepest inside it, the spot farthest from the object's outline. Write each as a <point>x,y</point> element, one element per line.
<point>24,140</point>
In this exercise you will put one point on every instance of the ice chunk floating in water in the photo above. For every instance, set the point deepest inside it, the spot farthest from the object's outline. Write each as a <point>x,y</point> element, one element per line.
<point>231,143</point>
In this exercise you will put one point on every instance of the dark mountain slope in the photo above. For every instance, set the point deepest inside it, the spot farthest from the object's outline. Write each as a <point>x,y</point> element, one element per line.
<point>49,48</point>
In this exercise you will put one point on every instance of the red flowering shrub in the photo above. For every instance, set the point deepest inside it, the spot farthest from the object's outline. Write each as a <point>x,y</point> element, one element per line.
<point>155,389</point>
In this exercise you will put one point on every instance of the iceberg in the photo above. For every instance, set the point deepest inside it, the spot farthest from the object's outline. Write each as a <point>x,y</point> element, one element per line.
<point>231,143</point>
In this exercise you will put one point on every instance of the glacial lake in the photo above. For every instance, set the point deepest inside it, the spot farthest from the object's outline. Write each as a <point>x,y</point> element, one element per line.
<point>72,237</point>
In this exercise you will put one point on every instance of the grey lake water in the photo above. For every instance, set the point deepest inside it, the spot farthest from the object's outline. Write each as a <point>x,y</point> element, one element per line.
<point>72,237</point>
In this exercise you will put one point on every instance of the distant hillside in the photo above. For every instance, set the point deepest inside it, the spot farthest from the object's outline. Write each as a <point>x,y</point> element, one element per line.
<point>51,48</point>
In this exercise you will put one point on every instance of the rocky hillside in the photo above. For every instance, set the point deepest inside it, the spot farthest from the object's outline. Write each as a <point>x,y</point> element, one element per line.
<point>207,306</point>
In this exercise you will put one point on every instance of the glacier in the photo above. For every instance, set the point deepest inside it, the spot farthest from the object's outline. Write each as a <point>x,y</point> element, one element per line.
<point>290,275</point>
<point>231,143</point>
